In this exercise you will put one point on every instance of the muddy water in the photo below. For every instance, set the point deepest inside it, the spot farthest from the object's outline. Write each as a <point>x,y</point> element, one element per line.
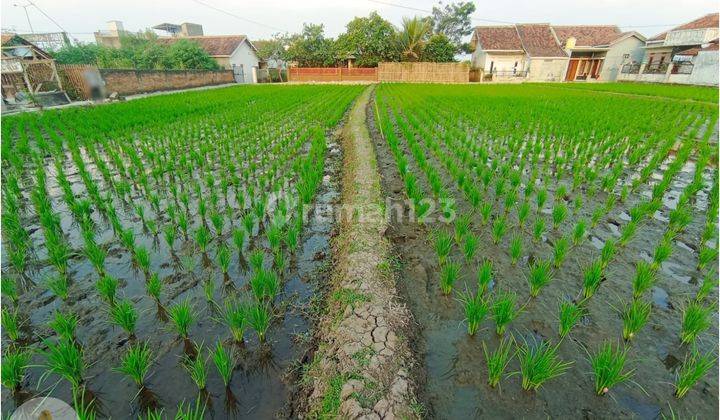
<point>455,380</point>
<point>264,380</point>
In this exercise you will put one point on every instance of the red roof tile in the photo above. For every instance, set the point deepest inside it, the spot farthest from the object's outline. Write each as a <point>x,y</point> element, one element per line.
<point>588,35</point>
<point>498,38</point>
<point>711,20</point>
<point>221,45</point>
<point>539,41</point>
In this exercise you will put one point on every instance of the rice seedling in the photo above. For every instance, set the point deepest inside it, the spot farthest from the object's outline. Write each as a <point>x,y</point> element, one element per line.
<point>136,363</point>
<point>538,229</point>
<point>634,316</point>
<point>579,232</point>
<point>10,322</point>
<point>224,361</point>
<point>191,413</point>
<point>223,258</point>
<point>607,252</point>
<point>710,281</point>
<point>470,246</point>
<point>258,317</point>
<point>107,287</point>
<point>279,261</point>
<point>156,414</point>
<point>569,315</point>
<point>662,253</point>
<point>523,212</point>
<point>13,369</point>
<point>498,360</point>
<point>696,319</point>
<point>540,199</point>
<point>85,410</point>
<point>154,286</point>
<point>257,259</point>
<point>64,325</point>
<point>645,277</point>
<point>8,289</point>
<point>484,276</point>
<point>608,365</point>
<point>235,317</point>
<point>694,367</point>
<point>592,277</point>
<point>706,256</point>
<point>448,276</point>
<point>142,258</point>
<point>202,238</point>
<point>123,315</point>
<point>59,286</point>
<point>476,308</point>
<point>249,223</point>
<point>209,290</point>
<point>498,230</point>
<point>504,311</point>
<point>462,227</point>
<point>182,316</point>
<point>197,367</point>
<point>443,245</point>
<point>485,212</point>
<point>238,236</point>
<point>560,251</point>
<point>96,255</point>
<point>559,213</point>
<point>64,359</point>
<point>292,237</point>
<point>516,248</point>
<point>127,237</point>
<point>169,235</point>
<point>217,220</point>
<point>627,233</point>
<point>539,363</point>
<point>539,277</point>
<point>265,285</point>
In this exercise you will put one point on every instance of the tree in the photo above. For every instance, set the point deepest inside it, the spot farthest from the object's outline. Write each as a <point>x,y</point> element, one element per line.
<point>453,20</point>
<point>439,49</point>
<point>274,48</point>
<point>311,49</point>
<point>186,54</point>
<point>77,54</point>
<point>370,40</point>
<point>413,36</point>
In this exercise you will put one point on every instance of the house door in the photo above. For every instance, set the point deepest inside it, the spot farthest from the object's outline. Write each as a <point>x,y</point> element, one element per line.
<point>572,69</point>
<point>239,73</point>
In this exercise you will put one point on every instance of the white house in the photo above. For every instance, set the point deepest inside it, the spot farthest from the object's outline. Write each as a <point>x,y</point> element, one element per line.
<point>687,54</point>
<point>232,52</point>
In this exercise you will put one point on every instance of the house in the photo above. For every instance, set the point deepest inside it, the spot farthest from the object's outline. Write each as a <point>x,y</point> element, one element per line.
<point>598,52</point>
<point>232,52</point>
<point>26,67</point>
<point>111,37</point>
<point>518,52</point>
<point>544,52</point>
<point>686,54</point>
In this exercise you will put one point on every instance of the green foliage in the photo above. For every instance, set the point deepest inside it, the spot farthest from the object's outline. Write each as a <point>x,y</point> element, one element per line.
<point>14,367</point>
<point>197,367</point>
<point>694,367</point>
<point>311,48</point>
<point>370,40</point>
<point>136,363</point>
<point>413,37</point>
<point>540,275</point>
<point>498,360</point>
<point>439,49</point>
<point>539,363</point>
<point>476,308</point>
<point>608,365</point>
<point>182,316</point>
<point>453,20</point>
<point>448,276</point>
<point>224,361</point>
<point>634,316</point>
<point>696,319</point>
<point>569,314</point>
<point>504,311</point>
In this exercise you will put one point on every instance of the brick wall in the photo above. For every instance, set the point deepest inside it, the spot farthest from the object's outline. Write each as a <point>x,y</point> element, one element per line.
<point>128,82</point>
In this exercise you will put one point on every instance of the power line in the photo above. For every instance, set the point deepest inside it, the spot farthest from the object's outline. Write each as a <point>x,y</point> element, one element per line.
<point>239,17</point>
<point>47,16</point>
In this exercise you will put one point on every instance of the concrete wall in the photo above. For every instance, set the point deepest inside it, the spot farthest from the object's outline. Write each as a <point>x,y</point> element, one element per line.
<point>504,63</point>
<point>128,82</point>
<point>691,36</point>
<point>246,57</point>
<point>705,72</point>
<point>547,69</point>
<point>615,57</point>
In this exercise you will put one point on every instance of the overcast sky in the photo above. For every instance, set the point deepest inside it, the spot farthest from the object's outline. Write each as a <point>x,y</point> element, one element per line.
<point>265,17</point>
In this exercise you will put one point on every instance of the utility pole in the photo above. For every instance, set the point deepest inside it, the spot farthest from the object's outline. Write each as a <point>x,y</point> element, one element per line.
<point>27,16</point>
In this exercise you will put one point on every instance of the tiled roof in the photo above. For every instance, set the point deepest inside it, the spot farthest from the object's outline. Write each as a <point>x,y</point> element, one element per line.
<point>221,45</point>
<point>498,38</point>
<point>588,35</point>
<point>711,20</point>
<point>539,41</point>
<point>712,46</point>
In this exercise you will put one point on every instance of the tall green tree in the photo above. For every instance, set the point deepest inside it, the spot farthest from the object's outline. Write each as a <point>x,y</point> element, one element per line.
<point>413,36</point>
<point>454,21</point>
<point>370,40</point>
<point>311,48</point>
<point>439,49</point>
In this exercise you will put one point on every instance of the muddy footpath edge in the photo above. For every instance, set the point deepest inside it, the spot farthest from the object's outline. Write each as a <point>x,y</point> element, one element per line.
<point>363,365</point>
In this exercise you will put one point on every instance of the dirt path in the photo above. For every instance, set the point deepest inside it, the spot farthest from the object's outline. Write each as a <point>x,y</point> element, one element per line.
<point>363,363</point>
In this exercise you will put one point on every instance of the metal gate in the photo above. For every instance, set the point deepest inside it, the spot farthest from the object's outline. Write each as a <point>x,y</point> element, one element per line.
<point>238,73</point>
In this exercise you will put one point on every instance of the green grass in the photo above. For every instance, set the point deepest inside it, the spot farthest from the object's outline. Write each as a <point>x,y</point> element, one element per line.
<point>516,248</point>
<point>15,363</point>
<point>569,315</point>
<point>448,276</point>
<point>258,317</point>
<point>696,319</point>
<point>484,276</point>
<point>124,315</point>
<point>10,322</point>
<point>196,367</point>
<point>498,360</point>
<point>443,245</point>
<point>504,310</point>
<point>59,285</point>
<point>136,363</point>
<point>540,276</point>
<point>592,277</point>
<point>645,278</point>
<point>539,363</point>
<point>476,309</point>
<point>709,283</point>
<point>634,316</point>
<point>608,365</point>
<point>154,286</point>
<point>64,325</point>
<point>182,315</point>
<point>235,317</point>
<point>190,412</point>
<point>224,361</point>
<point>64,359</point>
<point>696,93</point>
<point>107,288</point>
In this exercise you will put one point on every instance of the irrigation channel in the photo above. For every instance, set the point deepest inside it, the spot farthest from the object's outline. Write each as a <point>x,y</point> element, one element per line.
<point>364,252</point>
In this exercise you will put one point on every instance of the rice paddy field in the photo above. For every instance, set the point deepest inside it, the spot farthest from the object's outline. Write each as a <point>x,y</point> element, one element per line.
<point>577,278</point>
<point>556,246</point>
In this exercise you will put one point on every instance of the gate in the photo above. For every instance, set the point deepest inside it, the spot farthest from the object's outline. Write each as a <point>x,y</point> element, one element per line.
<point>238,73</point>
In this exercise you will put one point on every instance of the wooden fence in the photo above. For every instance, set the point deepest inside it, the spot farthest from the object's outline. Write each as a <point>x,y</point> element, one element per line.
<point>424,72</point>
<point>332,74</point>
<point>75,79</point>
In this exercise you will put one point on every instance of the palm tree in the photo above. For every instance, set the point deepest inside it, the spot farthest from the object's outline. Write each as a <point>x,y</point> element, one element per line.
<point>413,36</point>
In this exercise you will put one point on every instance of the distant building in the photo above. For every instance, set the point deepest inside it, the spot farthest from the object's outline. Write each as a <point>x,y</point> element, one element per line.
<point>111,36</point>
<point>687,54</point>
<point>184,29</point>
<point>544,52</point>
<point>49,41</point>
